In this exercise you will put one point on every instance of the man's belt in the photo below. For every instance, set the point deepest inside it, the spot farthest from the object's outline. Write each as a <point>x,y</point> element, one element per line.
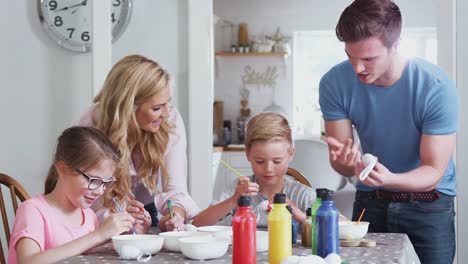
<point>429,196</point>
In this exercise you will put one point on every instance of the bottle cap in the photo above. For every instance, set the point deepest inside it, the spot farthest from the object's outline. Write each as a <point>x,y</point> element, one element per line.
<point>320,192</point>
<point>309,211</point>
<point>244,201</point>
<point>279,198</point>
<point>328,196</point>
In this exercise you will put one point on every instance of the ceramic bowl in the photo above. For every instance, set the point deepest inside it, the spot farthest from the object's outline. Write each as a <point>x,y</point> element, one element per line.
<point>203,247</point>
<point>218,231</point>
<point>151,244</point>
<point>352,230</point>
<point>171,239</point>
<point>262,241</point>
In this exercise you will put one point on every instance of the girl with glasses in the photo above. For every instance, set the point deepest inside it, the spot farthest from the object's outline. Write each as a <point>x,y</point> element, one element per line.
<point>60,223</point>
<point>133,110</point>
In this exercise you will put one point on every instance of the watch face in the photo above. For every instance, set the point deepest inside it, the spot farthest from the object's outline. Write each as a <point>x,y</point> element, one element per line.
<point>69,22</point>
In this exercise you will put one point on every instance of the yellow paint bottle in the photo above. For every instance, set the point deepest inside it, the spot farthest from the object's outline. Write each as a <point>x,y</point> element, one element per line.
<point>279,231</point>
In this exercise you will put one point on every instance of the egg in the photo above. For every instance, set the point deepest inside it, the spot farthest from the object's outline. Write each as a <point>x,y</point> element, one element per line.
<point>311,259</point>
<point>189,227</point>
<point>333,258</point>
<point>291,260</point>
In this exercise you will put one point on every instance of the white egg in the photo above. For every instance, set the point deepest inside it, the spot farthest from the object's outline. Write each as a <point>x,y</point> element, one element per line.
<point>129,252</point>
<point>311,259</point>
<point>291,260</point>
<point>333,258</point>
<point>189,227</point>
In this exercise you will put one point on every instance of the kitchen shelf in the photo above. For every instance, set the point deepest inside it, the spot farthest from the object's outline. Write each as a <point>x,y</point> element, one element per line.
<point>251,54</point>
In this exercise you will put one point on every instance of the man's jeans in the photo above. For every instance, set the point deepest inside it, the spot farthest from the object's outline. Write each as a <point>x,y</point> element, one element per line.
<point>429,225</point>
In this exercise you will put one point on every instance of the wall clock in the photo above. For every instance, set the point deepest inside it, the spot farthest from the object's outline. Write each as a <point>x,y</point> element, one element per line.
<point>69,22</point>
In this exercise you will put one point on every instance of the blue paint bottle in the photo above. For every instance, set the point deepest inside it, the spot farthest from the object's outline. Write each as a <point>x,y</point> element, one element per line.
<point>327,226</point>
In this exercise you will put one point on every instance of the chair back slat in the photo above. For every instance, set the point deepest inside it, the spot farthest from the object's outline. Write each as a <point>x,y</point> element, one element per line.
<point>298,176</point>
<point>13,198</point>
<point>16,192</point>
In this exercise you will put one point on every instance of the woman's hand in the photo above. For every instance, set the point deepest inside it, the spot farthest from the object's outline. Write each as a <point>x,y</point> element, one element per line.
<point>246,188</point>
<point>115,224</point>
<point>142,218</point>
<point>177,222</point>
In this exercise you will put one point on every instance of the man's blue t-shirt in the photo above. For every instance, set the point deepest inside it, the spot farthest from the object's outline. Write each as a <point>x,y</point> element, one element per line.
<point>390,120</point>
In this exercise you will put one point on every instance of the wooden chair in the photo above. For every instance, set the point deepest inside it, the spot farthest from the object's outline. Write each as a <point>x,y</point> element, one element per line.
<point>16,192</point>
<point>295,174</point>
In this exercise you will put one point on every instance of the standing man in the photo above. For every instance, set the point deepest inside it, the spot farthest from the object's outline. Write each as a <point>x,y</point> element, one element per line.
<point>405,112</point>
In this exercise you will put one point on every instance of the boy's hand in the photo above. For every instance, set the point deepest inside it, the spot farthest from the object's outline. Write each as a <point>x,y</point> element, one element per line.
<point>246,188</point>
<point>297,213</point>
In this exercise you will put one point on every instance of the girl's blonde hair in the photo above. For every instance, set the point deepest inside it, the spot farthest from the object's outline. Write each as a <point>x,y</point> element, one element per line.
<point>266,127</point>
<point>80,148</point>
<point>132,81</point>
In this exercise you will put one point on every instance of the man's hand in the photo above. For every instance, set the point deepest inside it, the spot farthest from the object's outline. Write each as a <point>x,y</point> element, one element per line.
<point>346,154</point>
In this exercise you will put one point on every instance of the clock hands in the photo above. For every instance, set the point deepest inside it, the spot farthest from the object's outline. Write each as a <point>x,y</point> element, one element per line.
<point>72,6</point>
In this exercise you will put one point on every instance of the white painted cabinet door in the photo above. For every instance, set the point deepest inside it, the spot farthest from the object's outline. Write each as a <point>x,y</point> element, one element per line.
<point>222,176</point>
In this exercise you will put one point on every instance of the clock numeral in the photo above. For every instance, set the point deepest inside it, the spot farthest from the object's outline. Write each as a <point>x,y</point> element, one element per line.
<point>53,5</point>
<point>71,32</point>
<point>113,18</point>
<point>85,36</point>
<point>116,3</point>
<point>58,21</point>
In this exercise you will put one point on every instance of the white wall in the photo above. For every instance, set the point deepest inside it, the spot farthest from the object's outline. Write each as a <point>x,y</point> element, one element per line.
<point>263,17</point>
<point>44,86</point>
<point>158,29</point>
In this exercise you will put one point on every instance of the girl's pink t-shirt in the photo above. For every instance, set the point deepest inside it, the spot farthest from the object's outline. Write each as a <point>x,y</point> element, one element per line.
<point>36,220</point>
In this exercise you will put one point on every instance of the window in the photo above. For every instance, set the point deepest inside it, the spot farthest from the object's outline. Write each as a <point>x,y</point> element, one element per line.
<point>315,52</point>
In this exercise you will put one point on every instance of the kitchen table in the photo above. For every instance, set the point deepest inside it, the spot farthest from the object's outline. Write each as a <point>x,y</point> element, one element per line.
<point>391,248</point>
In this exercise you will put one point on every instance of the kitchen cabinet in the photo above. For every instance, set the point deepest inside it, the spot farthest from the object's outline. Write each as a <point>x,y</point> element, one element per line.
<point>222,175</point>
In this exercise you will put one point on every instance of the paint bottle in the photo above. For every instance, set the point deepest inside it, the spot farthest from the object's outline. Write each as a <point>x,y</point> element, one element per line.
<point>294,226</point>
<point>327,226</point>
<point>306,228</point>
<point>244,230</point>
<point>315,207</point>
<point>279,230</point>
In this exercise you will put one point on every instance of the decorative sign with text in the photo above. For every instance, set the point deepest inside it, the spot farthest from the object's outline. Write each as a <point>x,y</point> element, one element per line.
<point>264,79</point>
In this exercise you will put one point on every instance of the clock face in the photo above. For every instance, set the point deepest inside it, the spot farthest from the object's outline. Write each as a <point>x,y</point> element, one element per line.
<point>69,22</point>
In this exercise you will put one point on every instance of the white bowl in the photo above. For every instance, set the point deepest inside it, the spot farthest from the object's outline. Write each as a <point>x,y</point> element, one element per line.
<point>262,241</point>
<point>352,230</point>
<point>203,247</point>
<point>218,231</point>
<point>151,244</point>
<point>171,239</point>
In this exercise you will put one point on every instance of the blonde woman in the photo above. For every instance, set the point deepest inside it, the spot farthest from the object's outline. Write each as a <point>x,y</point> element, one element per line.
<point>133,109</point>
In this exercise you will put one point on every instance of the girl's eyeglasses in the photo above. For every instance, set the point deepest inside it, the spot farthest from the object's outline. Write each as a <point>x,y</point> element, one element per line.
<point>96,182</point>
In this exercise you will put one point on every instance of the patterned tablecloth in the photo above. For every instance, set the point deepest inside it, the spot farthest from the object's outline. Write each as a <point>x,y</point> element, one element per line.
<point>391,248</point>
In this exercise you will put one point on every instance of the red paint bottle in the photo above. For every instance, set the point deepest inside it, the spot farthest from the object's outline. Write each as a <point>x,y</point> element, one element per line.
<point>244,228</point>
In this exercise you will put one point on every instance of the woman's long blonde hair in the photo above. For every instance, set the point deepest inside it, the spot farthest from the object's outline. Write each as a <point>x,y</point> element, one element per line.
<point>131,81</point>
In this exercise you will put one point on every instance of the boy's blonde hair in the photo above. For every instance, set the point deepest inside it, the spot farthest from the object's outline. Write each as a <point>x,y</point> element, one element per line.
<point>266,127</point>
<point>131,82</point>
